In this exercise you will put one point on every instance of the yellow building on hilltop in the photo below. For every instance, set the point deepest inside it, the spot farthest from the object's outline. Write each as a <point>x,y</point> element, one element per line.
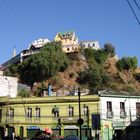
<point>26,116</point>
<point>69,41</point>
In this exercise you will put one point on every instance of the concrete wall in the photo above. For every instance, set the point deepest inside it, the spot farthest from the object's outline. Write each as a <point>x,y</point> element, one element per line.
<point>8,86</point>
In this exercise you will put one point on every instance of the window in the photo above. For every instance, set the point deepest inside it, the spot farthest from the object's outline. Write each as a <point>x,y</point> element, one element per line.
<point>122,107</point>
<point>109,110</point>
<point>29,112</point>
<point>93,44</point>
<point>68,49</point>
<point>122,110</point>
<point>109,106</point>
<point>55,111</point>
<point>37,112</point>
<point>85,110</point>
<point>70,111</point>
<point>138,110</point>
<point>89,45</point>
<point>10,113</point>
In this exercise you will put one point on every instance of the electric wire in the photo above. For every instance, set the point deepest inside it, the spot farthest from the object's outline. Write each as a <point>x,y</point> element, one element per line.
<point>137,4</point>
<point>133,11</point>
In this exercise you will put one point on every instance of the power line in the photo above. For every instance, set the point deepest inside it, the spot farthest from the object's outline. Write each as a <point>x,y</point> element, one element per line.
<point>133,11</point>
<point>137,4</point>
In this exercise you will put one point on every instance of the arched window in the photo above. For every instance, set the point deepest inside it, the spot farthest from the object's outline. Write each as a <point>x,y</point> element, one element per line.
<point>85,110</point>
<point>29,112</point>
<point>55,111</point>
<point>37,112</point>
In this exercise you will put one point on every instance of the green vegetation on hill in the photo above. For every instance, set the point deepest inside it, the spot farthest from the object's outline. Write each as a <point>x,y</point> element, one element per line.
<point>95,75</point>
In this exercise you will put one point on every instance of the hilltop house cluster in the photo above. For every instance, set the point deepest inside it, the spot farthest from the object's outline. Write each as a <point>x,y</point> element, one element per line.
<point>69,42</point>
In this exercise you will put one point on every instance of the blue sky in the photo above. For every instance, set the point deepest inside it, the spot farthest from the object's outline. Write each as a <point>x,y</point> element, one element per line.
<point>23,21</point>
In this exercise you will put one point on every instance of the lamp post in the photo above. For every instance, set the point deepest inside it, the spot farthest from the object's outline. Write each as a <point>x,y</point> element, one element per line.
<point>8,96</point>
<point>130,110</point>
<point>129,107</point>
<point>80,120</point>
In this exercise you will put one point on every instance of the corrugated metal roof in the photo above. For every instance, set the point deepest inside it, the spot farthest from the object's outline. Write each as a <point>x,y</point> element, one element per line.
<point>118,93</point>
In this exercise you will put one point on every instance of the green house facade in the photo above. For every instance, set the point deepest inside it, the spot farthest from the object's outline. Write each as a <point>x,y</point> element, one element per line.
<point>26,116</point>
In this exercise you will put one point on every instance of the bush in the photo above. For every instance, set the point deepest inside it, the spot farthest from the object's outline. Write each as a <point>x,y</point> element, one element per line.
<point>11,71</point>
<point>24,93</point>
<point>100,56</point>
<point>137,76</point>
<point>127,63</point>
<point>130,89</point>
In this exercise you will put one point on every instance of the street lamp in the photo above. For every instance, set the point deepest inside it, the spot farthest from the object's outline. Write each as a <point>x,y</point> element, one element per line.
<point>129,107</point>
<point>80,120</point>
<point>130,110</point>
<point>8,96</point>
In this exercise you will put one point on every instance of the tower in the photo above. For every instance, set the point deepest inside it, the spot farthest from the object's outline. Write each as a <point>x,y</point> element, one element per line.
<point>14,52</point>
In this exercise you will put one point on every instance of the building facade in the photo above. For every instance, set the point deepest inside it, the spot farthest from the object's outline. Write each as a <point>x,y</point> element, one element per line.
<point>34,47</point>
<point>28,115</point>
<point>119,111</point>
<point>90,44</point>
<point>69,41</point>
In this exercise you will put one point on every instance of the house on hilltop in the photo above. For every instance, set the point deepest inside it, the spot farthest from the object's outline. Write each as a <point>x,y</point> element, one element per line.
<point>90,44</point>
<point>34,47</point>
<point>69,41</point>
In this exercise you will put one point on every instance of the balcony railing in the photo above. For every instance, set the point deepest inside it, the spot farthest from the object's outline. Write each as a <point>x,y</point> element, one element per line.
<point>36,119</point>
<point>109,114</point>
<point>122,114</point>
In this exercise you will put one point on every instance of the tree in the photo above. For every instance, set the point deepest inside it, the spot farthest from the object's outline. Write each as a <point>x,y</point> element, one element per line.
<point>44,64</point>
<point>11,71</point>
<point>108,47</point>
<point>95,77</point>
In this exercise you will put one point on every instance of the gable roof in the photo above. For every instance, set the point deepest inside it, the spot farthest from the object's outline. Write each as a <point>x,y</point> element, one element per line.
<point>66,34</point>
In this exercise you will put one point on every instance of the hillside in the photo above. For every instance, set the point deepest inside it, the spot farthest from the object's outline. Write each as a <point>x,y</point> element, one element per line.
<point>123,79</point>
<point>89,69</point>
<point>68,79</point>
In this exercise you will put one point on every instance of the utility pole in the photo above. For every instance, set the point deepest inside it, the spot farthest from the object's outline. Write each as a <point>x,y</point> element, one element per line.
<point>130,110</point>
<point>80,120</point>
